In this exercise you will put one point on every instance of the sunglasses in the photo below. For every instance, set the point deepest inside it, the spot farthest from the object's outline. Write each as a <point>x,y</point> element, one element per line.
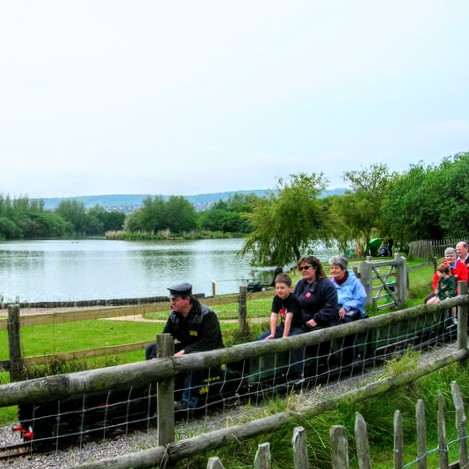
<point>306,267</point>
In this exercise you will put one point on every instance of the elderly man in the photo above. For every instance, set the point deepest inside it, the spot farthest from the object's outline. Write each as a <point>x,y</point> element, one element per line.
<point>195,328</point>
<point>463,252</point>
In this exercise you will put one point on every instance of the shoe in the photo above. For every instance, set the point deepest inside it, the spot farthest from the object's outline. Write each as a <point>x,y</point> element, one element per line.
<point>180,406</point>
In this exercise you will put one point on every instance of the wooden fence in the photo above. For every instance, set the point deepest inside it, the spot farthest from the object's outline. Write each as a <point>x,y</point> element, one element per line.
<point>430,248</point>
<point>340,445</point>
<point>165,367</point>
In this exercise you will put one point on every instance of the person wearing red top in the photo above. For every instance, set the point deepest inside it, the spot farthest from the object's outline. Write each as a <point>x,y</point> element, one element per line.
<point>463,252</point>
<point>457,268</point>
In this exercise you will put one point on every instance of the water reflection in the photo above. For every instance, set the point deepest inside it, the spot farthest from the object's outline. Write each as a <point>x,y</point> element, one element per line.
<point>64,270</point>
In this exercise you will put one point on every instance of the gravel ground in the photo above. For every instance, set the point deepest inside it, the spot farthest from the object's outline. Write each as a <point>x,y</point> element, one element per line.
<point>138,441</point>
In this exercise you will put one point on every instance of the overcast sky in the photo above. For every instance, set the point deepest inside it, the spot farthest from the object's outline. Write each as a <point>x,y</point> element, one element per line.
<point>189,97</point>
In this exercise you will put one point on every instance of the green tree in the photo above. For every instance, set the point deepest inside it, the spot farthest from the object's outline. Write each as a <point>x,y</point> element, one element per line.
<point>9,229</point>
<point>181,215</point>
<point>410,207</point>
<point>290,221</point>
<point>227,215</point>
<point>449,186</point>
<point>360,206</point>
<point>73,212</point>
<point>109,221</point>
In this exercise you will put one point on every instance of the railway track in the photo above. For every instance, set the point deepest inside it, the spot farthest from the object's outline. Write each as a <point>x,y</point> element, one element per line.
<point>15,451</point>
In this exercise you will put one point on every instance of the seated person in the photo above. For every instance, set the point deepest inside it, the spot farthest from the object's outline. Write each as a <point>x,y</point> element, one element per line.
<point>457,268</point>
<point>446,287</point>
<point>351,294</point>
<point>285,304</point>
<point>316,294</point>
<point>195,328</point>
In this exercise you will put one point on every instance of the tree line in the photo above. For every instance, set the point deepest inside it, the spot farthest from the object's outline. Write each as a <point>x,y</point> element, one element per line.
<point>24,218</point>
<point>424,202</point>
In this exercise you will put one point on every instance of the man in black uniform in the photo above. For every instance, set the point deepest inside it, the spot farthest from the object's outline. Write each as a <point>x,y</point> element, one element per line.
<point>195,328</point>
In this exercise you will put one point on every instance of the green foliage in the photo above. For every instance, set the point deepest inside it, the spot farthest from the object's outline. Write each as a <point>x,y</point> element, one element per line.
<point>176,215</point>
<point>289,222</point>
<point>429,202</point>
<point>359,209</point>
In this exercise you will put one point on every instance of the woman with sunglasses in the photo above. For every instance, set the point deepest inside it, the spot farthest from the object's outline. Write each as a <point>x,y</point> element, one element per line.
<point>317,295</point>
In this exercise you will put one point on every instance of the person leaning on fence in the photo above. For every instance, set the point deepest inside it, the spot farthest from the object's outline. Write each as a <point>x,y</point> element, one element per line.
<point>285,305</point>
<point>195,328</point>
<point>351,294</point>
<point>446,288</point>
<point>456,267</point>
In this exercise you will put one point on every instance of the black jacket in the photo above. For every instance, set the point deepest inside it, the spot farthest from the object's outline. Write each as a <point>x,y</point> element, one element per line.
<point>318,301</point>
<point>199,331</point>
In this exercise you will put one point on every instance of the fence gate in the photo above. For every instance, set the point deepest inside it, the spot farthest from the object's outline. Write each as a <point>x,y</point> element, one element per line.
<point>385,282</point>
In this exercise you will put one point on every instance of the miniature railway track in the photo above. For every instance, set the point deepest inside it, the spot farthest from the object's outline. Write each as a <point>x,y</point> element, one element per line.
<point>15,451</point>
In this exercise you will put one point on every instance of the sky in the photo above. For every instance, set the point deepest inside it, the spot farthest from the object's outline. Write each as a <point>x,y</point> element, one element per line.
<point>189,97</point>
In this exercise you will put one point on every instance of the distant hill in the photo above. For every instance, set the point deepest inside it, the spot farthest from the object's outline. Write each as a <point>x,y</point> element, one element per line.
<point>127,203</point>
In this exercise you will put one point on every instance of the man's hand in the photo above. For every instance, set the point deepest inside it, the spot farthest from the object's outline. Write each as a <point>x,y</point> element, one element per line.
<point>342,313</point>
<point>179,354</point>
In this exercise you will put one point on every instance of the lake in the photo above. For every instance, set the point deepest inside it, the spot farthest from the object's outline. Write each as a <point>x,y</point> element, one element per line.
<point>71,270</point>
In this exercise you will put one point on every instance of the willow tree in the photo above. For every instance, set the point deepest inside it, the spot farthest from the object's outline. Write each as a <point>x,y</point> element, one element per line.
<point>290,221</point>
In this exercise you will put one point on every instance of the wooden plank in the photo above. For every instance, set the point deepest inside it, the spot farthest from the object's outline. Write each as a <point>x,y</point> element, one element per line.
<point>165,392</point>
<point>339,447</point>
<point>300,450</point>
<point>421,435</point>
<point>14,343</point>
<point>84,354</point>
<point>442,438</point>
<point>214,463</point>
<point>361,437</point>
<point>460,423</point>
<point>398,441</point>
<point>263,459</point>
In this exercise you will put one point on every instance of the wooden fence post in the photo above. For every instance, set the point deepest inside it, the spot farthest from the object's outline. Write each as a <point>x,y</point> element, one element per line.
<point>361,437</point>
<point>367,280</point>
<point>339,447</point>
<point>421,435</point>
<point>300,450</point>
<point>165,393</point>
<point>398,441</point>
<point>263,459</point>
<point>442,439</point>
<point>460,423</point>
<point>214,463</point>
<point>401,279</point>
<point>242,312</point>
<point>462,318</point>
<point>14,343</point>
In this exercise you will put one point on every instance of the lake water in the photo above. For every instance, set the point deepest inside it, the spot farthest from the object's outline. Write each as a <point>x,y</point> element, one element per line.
<point>67,270</point>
